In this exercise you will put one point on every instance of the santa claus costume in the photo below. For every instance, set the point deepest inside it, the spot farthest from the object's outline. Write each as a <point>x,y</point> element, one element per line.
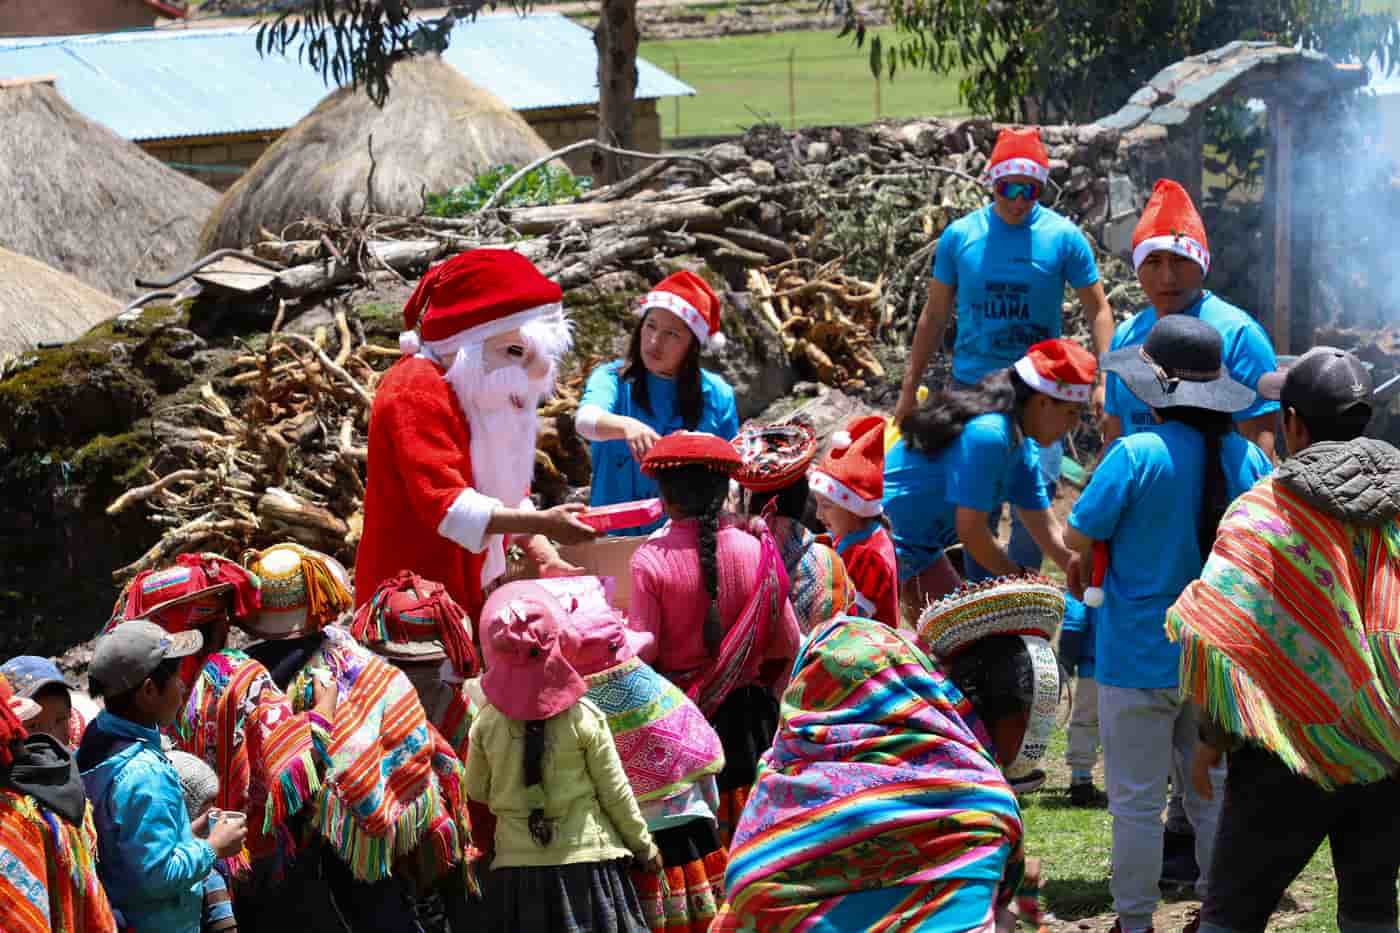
<point>851,479</point>
<point>450,443</point>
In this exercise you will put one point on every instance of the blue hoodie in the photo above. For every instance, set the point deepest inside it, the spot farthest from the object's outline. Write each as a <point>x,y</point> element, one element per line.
<point>149,860</point>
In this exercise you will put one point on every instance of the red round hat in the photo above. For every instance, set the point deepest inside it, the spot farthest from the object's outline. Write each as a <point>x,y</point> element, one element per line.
<point>1019,152</point>
<point>1059,368</point>
<point>476,295</point>
<point>691,299</point>
<point>687,448</point>
<point>1171,222</point>
<point>853,473</point>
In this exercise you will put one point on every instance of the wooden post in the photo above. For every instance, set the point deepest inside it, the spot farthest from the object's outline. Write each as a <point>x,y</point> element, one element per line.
<point>878,108</point>
<point>792,88</point>
<point>1281,197</point>
<point>676,61</point>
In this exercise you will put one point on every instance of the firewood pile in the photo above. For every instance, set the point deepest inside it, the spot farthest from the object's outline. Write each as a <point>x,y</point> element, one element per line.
<point>826,318</point>
<point>285,460</point>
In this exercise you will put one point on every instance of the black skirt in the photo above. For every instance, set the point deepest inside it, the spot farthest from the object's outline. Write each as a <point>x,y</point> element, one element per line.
<point>746,722</point>
<point>589,897</point>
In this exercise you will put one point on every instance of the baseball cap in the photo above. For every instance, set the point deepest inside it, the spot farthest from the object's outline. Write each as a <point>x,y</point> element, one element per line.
<point>127,655</point>
<point>28,674</point>
<point>1324,381</point>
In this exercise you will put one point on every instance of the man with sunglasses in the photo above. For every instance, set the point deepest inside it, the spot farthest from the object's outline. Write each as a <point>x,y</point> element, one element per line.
<point>1005,267</point>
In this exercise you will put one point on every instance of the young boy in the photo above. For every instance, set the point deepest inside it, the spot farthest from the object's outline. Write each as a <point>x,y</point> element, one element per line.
<point>150,862</point>
<point>200,786</point>
<point>39,679</point>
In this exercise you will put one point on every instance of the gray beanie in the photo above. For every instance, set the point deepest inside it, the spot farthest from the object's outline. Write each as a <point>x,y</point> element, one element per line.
<point>197,780</point>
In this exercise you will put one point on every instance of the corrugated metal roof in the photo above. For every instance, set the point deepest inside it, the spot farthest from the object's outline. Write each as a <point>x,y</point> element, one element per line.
<point>164,83</point>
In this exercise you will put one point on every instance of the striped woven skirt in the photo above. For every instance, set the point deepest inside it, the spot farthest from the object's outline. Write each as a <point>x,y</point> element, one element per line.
<point>746,722</point>
<point>686,897</point>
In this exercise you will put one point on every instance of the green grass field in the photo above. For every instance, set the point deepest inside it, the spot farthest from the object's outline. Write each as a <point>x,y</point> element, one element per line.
<point>743,80</point>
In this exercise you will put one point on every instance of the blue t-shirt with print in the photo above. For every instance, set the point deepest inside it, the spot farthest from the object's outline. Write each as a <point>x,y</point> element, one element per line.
<point>1010,282</point>
<point>981,469</point>
<point>1247,355</point>
<point>617,477</point>
<point>1144,499</point>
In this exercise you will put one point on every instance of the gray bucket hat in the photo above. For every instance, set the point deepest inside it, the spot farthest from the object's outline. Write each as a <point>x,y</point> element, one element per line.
<point>1179,366</point>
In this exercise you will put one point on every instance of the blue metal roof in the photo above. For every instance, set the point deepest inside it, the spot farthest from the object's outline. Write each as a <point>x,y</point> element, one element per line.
<point>156,84</point>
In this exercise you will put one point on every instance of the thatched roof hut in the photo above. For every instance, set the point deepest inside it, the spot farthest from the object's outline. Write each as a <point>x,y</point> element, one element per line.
<point>436,131</point>
<point>86,201</point>
<point>39,304</point>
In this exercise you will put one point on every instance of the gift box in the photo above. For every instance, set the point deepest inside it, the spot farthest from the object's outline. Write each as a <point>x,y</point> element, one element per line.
<point>608,518</point>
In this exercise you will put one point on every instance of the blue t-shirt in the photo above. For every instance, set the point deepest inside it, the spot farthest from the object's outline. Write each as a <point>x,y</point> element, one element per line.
<point>1144,500</point>
<point>617,477</point>
<point>1010,283</point>
<point>1247,355</point>
<point>981,469</point>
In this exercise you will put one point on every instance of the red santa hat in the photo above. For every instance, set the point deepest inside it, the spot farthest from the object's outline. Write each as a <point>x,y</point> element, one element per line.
<point>1170,222</point>
<point>691,299</point>
<point>1059,368</point>
<point>1019,152</point>
<point>853,473</point>
<point>474,296</point>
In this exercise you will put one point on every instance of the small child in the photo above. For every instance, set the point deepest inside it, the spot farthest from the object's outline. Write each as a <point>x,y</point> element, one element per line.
<point>39,679</point>
<point>150,862</point>
<point>1082,752</point>
<point>542,757</point>
<point>850,485</point>
<point>200,786</point>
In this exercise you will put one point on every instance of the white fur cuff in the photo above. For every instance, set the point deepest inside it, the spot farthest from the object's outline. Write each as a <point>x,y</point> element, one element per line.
<point>466,520</point>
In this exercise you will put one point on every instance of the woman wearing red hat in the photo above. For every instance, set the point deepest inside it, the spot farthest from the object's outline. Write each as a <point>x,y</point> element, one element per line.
<point>659,388</point>
<point>966,452</point>
<point>1171,256</point>
<point>712,601</point>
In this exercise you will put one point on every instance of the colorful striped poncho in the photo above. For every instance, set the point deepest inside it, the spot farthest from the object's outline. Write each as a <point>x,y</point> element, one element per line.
<point>1291,638</point>
<point>48,871</point>
<point>393,786</point>
<point>878,808</point>
<point>244,727</point>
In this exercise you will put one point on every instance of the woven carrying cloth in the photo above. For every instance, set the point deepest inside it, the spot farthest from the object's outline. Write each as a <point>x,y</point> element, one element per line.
<point>820,587</point>
<point>878,807</point>
<point>1291,638</point>
<point>242,726</point>
<point>392,784</point>
<point>48,871</point>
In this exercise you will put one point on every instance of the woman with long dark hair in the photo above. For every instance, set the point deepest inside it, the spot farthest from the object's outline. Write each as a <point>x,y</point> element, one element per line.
<point>711,602</point>
<point>966,452</point>
<point>659,388</point>
<point>1155,501</point>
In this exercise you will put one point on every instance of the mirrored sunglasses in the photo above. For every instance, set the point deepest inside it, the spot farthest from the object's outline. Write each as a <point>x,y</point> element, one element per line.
<point>1018,190</point>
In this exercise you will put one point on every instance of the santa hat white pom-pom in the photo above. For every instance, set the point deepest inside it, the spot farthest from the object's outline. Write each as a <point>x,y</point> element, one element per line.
<point>409,344</point>
<point>1093,597</point>
<point>840,440</point>
<point>717,342</point>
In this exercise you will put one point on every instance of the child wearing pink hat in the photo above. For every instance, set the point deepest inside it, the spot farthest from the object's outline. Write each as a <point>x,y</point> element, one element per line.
<point>567,824</point>
<point>671,756</point>
<point>850,486</point>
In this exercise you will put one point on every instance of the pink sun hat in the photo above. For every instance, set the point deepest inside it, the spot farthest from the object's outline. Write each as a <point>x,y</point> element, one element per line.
<point>527,676</point>
<point>595,641</point>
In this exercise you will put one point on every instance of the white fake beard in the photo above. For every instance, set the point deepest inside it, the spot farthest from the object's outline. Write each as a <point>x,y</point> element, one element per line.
<point>502,432</point>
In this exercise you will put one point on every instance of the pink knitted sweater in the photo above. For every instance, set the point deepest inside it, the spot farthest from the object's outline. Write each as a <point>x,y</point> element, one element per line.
<point>669,598</point>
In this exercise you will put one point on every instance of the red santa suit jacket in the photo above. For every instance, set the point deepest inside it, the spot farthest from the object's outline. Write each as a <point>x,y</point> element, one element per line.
<point>419,467</point>
<point>871,566</point>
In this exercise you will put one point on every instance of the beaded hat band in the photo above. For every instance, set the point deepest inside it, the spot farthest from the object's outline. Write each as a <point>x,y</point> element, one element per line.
<point>1027,605</point>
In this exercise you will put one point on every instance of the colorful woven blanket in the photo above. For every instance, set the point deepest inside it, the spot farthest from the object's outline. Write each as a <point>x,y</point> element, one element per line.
<point>662,738</point>
<point>820,588</point>
<point>245,728</point>
<point>48,872</point>
<point>877,807</point>
<point>392,784</point>
<point>1291,638</point>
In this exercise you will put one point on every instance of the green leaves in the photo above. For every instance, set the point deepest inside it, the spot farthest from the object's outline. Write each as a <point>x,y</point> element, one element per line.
<point>544,185</point>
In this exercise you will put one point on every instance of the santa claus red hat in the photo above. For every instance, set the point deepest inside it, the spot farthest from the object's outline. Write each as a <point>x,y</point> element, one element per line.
<point>852,475</point>
<point>1170,222</point>
<point>691,299</point>
<point>474,296</point>
<point>1059,368</point>
<point>1019,152</point>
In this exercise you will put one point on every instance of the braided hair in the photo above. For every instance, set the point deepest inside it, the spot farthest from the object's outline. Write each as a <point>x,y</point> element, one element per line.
<point>540,828</point>
<point>1215,498</point>
<point>695,491</point>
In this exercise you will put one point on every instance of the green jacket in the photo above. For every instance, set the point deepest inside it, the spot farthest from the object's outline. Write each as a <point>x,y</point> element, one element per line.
<point>585,793</point>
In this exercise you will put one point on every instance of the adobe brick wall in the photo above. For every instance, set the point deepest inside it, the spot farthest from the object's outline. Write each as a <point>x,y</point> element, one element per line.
<point>559,126</point>
<point>186,155</point>
<point>66,17</point>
